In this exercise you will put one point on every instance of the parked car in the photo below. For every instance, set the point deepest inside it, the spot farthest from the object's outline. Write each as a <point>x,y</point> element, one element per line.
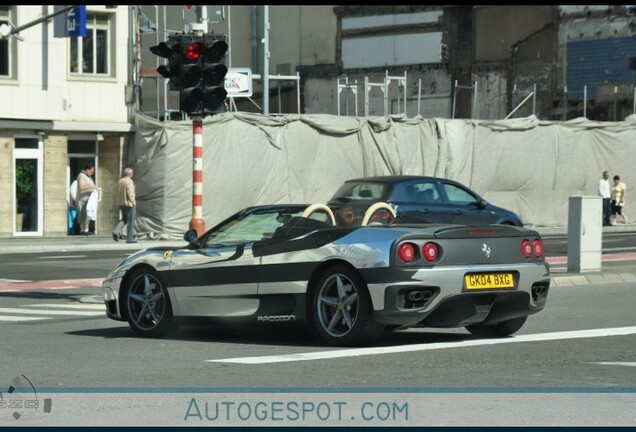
<point>417,199</point>
<point>290,264</point>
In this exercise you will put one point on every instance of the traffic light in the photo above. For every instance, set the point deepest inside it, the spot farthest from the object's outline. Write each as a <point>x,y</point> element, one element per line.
<point>197,69</point>
<point>214,71</point>
<point>170,50</point>
<point>191,75</point>
<point>202,74</point>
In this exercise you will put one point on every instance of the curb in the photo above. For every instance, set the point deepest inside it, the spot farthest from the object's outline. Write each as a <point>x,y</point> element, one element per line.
<point>595,278</point>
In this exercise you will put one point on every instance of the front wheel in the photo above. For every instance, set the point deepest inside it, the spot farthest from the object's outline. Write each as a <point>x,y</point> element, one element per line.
<point>502,329</point>
<point>148,307</point>
<point>341,308</point>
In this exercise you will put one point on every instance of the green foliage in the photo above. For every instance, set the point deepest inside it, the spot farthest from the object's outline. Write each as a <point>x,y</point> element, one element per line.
<point>24,176</point>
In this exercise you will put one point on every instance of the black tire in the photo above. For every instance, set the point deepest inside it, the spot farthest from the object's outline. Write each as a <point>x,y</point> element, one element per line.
<point>502,329</point>
<point>341,309</point>
<point>147,304</point>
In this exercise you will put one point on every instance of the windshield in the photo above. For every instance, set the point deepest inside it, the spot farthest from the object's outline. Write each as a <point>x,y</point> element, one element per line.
<point>250,227</point>
<point>363,191</point>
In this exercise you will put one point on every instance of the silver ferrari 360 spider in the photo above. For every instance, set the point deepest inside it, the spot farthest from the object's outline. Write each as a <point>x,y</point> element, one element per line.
<point>299,264</point>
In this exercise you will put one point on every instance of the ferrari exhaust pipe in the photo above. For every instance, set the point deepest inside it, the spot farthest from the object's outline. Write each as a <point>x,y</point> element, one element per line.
<point>539,290</point>
<point>415,296</point>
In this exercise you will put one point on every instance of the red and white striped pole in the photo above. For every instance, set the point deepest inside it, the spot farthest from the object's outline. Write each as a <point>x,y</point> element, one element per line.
<point>197,223</point>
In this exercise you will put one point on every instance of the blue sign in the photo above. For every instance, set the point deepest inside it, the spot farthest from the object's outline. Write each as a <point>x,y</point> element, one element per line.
<point>76,21</point>
<point>71,23</point>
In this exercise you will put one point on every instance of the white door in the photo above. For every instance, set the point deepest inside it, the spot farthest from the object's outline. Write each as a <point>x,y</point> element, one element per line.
<point>28,186</point>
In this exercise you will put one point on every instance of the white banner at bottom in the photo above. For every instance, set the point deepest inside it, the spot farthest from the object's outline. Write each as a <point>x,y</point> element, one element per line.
<point>320,408</point>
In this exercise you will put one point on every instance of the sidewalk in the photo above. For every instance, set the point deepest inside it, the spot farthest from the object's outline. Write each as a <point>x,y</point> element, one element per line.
<point>13,245</point>
<point>563,231</point>
<point>17,245</point>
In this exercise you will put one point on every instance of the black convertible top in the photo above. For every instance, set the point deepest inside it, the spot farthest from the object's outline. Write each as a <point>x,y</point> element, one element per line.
<point>298,226</point>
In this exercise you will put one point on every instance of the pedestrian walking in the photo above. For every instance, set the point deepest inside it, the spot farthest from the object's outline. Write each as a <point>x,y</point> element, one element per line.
<point>127,206</point>
<point>604,191</point>
<point>618,192</point>
<point>85,187</point>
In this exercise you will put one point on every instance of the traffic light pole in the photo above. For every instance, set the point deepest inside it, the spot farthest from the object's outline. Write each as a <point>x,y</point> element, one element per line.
<point>196,68</point>
<point>197,223</point>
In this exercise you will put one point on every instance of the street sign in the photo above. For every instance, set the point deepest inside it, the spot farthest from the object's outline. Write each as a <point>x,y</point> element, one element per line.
<point>238,82</point>
<point>71,23</point>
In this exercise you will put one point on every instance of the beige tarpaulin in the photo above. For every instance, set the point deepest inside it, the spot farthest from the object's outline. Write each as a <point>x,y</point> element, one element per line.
<point>529,166</point>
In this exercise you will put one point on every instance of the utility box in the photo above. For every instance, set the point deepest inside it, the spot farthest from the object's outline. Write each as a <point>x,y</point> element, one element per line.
<point>585,233</point>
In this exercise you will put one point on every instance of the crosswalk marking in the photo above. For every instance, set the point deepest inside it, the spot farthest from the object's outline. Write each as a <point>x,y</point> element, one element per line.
<point>49,312</point>
<point>86,306</point>
<point>11,318</point>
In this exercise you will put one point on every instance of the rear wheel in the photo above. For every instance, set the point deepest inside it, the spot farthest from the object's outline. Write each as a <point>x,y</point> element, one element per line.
<point>148,307</point>
<point>504,328</point>
<point>341,308</point>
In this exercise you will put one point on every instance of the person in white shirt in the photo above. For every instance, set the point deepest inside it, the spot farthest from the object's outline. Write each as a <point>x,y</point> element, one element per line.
<point>604,192</point>
<point>85,186</point>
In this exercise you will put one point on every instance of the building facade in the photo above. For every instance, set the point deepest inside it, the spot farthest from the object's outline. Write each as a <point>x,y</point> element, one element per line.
<point>482,62</point>
<point>71,101</point>
<point>66,104</point>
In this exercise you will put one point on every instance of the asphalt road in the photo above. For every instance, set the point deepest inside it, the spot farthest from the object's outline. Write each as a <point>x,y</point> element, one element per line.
<point>583,341</point>
<point>572,344</point>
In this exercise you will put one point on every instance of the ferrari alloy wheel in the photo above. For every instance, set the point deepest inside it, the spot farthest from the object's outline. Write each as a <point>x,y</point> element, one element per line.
<point>147,304</point>
<point>502,329</point>
<point>342,311</point>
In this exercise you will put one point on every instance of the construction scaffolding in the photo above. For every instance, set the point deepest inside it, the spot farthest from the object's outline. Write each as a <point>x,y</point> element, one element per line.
<point>577,103</point>
<point>352,89</point>
<point>473,90</point>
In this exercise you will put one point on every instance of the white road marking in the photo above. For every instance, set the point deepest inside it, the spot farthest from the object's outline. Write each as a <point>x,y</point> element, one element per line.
<point>8,281</point>
<point>87,306</point>
<point>48,312</point>
<point>62,257</point>
<point>9,318</point>
<point>576,334</point>
<point>616,363</point>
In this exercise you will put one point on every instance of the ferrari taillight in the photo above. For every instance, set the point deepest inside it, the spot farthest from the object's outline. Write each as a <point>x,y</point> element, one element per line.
<point>430,251</point>
<point>537,246</point>
<point>526,248</point>
<point>406,252</point>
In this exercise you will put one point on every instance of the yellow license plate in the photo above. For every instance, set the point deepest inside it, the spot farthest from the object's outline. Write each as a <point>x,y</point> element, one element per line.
<point>489,281</point>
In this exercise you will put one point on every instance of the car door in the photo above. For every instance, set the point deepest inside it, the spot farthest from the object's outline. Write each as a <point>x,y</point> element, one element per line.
<point>465,206</point>
<point>424,203</point>
<point>215,281</point>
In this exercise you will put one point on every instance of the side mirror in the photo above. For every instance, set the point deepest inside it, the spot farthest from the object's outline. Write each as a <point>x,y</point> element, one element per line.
<point>190,236</point>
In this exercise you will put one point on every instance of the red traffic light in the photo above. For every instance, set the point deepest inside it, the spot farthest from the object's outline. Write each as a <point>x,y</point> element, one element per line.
<point>193,51</point>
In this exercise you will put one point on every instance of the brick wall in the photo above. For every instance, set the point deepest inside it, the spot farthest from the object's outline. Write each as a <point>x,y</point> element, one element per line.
<point>110,155</point>
<point>6,185</point>
<point>55,188</point>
